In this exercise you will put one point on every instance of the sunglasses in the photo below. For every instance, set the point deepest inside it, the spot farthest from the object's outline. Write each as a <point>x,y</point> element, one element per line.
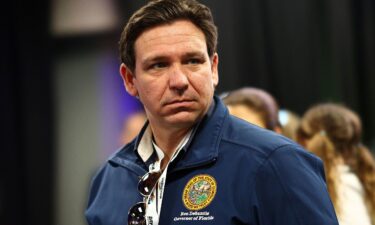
<point>136,214</point>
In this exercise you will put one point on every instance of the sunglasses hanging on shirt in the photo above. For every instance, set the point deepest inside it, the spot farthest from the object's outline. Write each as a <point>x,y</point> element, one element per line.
<point>136,214</point>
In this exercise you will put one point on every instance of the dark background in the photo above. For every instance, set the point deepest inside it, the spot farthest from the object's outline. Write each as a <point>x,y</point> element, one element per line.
<point>301,51</point>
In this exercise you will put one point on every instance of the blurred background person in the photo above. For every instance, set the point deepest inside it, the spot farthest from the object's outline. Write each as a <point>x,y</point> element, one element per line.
<point>255,106</point>
<point>289,122</point>
<point>132,125</point>
<point>333,132</point>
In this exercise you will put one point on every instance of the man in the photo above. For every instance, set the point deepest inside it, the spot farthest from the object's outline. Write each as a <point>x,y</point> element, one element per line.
<point>193,163</point>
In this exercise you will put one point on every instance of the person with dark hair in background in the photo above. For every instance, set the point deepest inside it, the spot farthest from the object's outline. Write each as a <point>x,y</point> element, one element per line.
<point>333,132</point>
<point>255,106</point>
<point>192,162</point>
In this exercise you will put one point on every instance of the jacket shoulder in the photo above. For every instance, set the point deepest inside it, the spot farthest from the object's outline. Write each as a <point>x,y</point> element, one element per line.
<point>253,138</point>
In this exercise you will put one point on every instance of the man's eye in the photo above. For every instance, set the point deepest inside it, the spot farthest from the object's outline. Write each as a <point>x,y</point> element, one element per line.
<point>194,61</point>
<point>159,65</point>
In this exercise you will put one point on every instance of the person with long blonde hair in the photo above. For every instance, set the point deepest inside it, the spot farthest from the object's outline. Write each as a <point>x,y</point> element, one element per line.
<point>333,132</point>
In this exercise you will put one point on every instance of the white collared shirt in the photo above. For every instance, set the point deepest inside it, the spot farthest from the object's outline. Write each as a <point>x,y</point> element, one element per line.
<point>145,150</point>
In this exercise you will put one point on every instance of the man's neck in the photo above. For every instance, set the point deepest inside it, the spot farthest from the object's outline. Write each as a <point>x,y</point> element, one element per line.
<point>168,139</point>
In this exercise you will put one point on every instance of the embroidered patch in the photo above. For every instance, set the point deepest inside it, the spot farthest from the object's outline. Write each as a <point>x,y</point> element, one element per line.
<point>199,192</point>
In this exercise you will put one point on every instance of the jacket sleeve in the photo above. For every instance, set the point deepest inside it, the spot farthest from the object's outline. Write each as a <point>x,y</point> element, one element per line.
<point>94,189</point>
<point>290,189</point>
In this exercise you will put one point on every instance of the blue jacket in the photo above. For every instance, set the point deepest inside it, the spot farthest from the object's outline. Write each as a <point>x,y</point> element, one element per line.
<point>232,172</point>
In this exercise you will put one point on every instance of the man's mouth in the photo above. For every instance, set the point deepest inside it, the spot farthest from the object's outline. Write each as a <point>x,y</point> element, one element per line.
<point>180,102</point>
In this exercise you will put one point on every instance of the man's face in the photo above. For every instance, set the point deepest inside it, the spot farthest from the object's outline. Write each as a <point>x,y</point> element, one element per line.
<point>174,77</point>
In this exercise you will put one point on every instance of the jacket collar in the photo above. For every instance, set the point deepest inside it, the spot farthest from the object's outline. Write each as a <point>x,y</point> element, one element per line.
<point>201,149</point>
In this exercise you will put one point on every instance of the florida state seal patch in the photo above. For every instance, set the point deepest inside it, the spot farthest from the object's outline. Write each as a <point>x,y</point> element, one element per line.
<point>199,192</point>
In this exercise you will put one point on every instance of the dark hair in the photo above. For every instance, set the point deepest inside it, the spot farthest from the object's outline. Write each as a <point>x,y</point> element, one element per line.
<point>258,100</point>
<point>158,12</point>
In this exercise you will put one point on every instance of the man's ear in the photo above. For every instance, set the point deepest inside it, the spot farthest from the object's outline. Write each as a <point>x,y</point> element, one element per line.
<point>214,69</point>
<point>128,78</point>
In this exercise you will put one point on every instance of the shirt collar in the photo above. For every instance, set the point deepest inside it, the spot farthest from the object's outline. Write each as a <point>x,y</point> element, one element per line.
<point>146,149</point>
<point>147,146</point>
<point>201,148</point>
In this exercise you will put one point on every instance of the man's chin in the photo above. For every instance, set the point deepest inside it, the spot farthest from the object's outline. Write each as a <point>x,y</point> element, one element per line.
<point>182,119</point>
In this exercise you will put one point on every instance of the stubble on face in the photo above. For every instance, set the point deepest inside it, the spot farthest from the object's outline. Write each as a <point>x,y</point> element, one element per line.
<point>175,78</point>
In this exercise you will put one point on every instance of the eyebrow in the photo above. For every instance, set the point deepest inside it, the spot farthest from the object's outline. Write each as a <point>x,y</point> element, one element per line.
<point>151,59</point>
<point>194,54</point>
<point>154,59</point>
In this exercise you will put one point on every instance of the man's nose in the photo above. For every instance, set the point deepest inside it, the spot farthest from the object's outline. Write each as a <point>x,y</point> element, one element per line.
<point>178,79</point>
